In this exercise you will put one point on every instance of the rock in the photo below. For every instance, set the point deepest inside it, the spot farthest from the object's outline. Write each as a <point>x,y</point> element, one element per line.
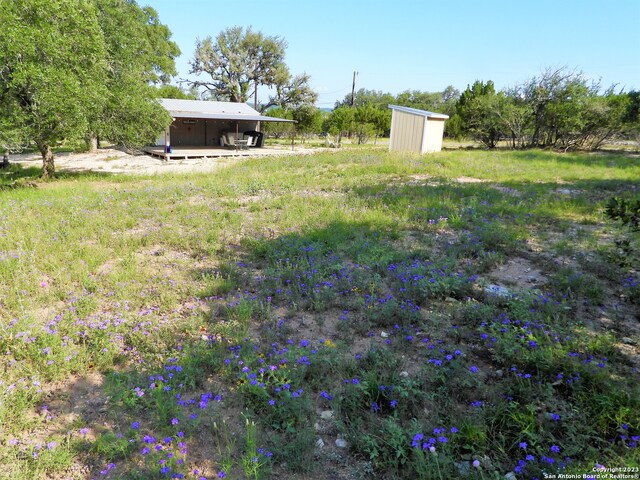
<point>628,341</point>
<point>326,415</point>
<point>384,334</point>
<point>404,374</point>
<point>497,290</point>
<point>464,468</point>
<point>499,373</point>
<point>510,476</point>
<point>341,443</point>
<point>319,443</point>
<point>317,427</point>
<point>531,279</point>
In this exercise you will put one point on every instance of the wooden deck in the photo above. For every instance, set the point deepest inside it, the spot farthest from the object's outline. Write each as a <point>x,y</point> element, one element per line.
<point>185,153</point>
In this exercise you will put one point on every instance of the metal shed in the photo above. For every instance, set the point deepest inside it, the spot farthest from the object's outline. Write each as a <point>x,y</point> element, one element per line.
<point>414,130</point>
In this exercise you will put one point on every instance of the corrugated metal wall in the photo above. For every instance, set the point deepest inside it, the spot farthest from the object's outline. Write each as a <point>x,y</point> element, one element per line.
<point>406,131</point>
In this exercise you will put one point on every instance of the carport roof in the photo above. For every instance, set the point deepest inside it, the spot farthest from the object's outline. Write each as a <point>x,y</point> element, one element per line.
<point>215,110</point>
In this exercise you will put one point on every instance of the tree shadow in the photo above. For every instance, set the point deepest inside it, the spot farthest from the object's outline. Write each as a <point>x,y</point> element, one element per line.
<point>373,273</point>
<point>19,176</point>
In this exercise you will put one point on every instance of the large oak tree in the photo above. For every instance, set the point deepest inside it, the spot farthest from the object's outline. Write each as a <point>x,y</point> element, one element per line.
<point>239,60</point>
<point>78,68</point>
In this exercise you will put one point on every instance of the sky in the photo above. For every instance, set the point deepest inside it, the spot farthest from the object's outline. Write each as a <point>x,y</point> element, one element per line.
<point>425,45</point>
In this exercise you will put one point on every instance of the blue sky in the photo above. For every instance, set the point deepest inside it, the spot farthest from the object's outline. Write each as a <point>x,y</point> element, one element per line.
<point>426,45</point>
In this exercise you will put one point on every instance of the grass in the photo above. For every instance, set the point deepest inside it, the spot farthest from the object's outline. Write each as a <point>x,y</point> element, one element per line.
<point>238,324</point>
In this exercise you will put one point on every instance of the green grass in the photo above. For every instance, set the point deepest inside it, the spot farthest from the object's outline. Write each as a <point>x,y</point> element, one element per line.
<point>153,326</point>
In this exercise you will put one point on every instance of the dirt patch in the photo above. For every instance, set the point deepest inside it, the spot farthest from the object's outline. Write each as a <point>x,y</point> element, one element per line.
<point>111,161</point>
<point>518,272</point>
<point>469,180</point>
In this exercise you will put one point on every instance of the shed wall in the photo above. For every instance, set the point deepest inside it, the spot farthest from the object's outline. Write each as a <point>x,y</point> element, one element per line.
<point>198,132</point>
<point>407,132</point>
<point>433,135</point>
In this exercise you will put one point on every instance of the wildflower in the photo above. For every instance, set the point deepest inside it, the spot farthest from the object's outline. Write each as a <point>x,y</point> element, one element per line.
<point>523,445</point>
<point>476,464</point>
<point>417,438</point>
<point>555,448</point>
<point>324,394</point>
<point>175,421</point>
<point>555,417</point>
<point>135,425</point>
<point>473,369</point>
<point>221,474</point>
<point>393,403</point>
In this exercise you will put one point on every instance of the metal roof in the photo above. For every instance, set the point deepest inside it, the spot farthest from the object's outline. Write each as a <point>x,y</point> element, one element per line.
<point>215,110</point>
<point>415,111</point>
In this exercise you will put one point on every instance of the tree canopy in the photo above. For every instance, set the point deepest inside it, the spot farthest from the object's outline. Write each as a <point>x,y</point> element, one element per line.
<point>239,60</point>
<point>560,108</point>
<point>139,55</point>
<point>74,69</point>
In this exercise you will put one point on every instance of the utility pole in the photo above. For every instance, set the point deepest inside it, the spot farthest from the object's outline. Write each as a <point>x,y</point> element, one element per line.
<point>353,91</point>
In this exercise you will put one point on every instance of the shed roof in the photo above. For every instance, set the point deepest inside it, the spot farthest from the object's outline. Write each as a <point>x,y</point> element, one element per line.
<point>415,111</point>
<point>214,110</point>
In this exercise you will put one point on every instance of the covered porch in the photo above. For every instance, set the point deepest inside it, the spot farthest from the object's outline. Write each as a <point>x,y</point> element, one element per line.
<point>204,128</point>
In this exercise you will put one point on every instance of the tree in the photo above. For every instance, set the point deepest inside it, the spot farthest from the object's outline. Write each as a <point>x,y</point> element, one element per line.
<point>340,122</point>
<point>367,97</point>
<point>291,92</point>
<point>371,121</point>
<point>236,61</point>
<point>74,69</point>
<point>477,108</point>
<point>172,91</point>
<point>309,120</point>
<point>556,99</point>
<point>515,116</point>
<point>239,60</point>
<point>278,129</point>
<point>139,55</point>
<point>52,62</point>
<point>631,116</point>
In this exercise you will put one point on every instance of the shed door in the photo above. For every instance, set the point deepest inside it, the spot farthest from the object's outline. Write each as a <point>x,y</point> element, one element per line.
<point>188,133</point>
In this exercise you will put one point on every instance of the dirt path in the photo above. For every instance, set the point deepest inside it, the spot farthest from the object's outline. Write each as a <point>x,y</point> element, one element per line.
<point>116,161</point>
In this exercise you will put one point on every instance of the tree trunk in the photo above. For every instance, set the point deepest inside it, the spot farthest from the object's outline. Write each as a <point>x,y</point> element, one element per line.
<point>48,167</point>
<point>91,144</point>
